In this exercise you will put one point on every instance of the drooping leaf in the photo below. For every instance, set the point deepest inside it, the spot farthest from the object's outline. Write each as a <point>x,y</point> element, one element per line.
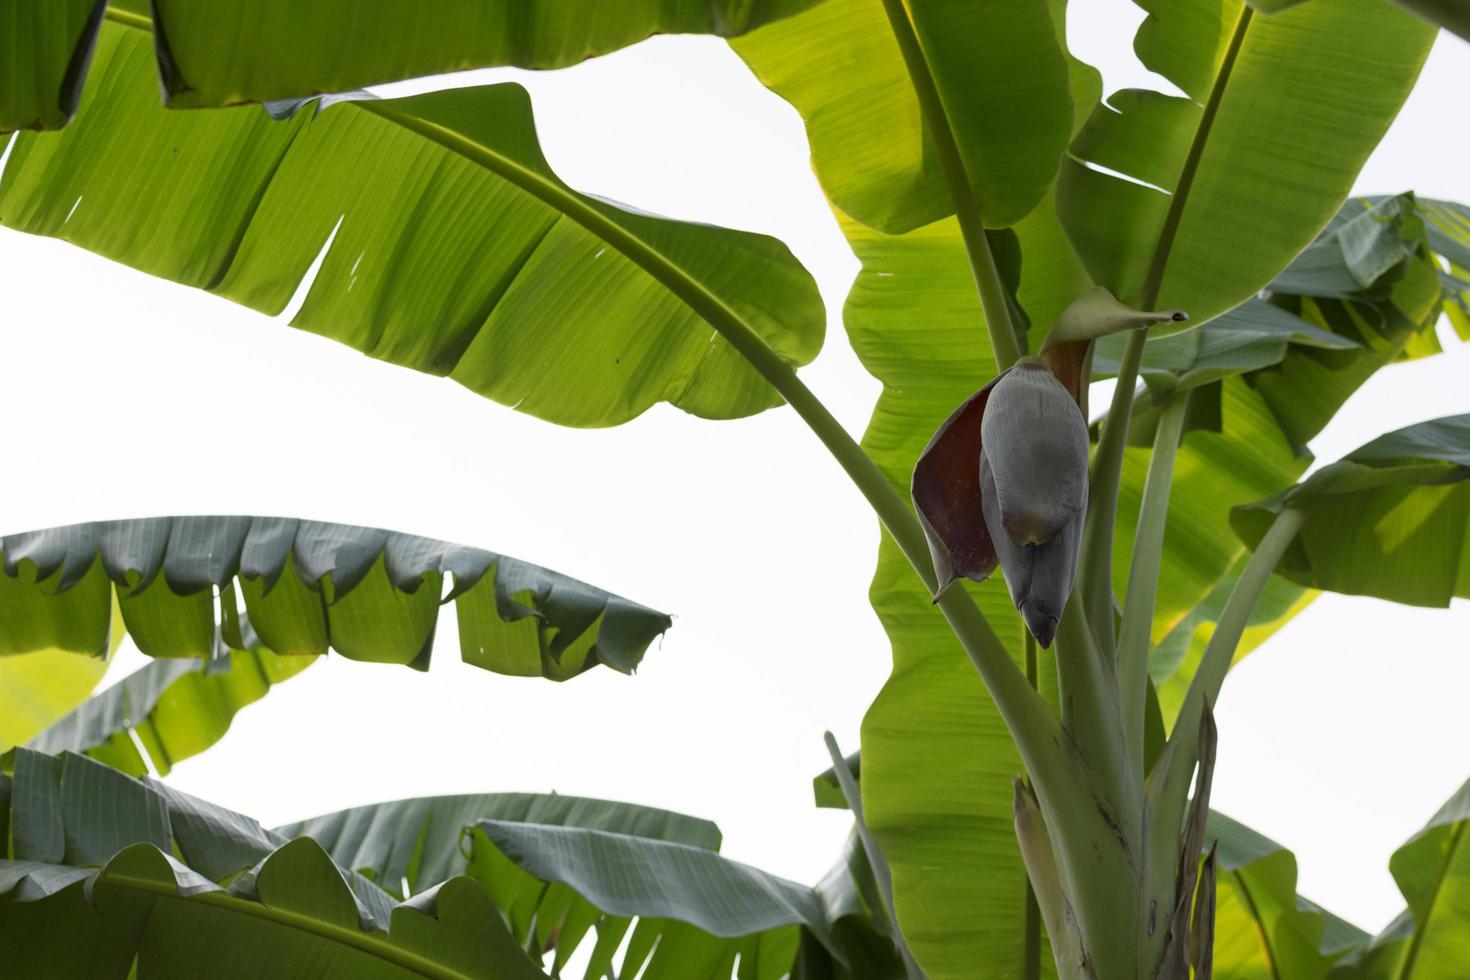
<point>1000,72</point>
<point>369,594</point>
<point>691,912</point>
<point>417,841</point>
<point>1327,334</point>
<point>172,709</point>
<point>148,876</point>
<point>1220,189</point>
<point>453,248</point>
<point>45,47</point>
<point>1389,520</point>
<point>275,50</point>
<point>1429,940</point>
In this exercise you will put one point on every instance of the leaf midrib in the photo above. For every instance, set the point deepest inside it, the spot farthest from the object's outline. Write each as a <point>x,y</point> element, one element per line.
<point>356,939</point>
<point>708,306</point>
<point>1406,968</point>
<point>1153,281</point>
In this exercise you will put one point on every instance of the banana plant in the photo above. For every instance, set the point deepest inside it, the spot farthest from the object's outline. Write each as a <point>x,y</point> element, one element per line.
<point>1044,749</point>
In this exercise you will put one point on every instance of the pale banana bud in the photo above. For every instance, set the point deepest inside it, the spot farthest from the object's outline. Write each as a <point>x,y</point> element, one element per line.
<point>1036,440</point>
<point>1039,576</point>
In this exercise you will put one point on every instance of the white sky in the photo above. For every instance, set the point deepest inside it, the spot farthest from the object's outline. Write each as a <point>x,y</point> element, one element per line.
<point>131,396</point>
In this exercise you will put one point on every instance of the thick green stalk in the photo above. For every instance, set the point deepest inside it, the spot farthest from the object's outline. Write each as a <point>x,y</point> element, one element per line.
<point>1095,577</point>
<point>881,875</point>
<point>1030,721</point>
<point>1168,785</point>
<point>1004,337</point>
<point>1143,577</point>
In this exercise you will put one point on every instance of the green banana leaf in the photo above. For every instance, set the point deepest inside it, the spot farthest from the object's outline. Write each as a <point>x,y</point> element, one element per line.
<point>410,845</point>
<point>450,246</point>
<point>1001,75</point>
<point>1388,520</point>
<point>38,688</point>
<point>1452,15</point>
<point>369,594</point>
<point>218,56</point>
<point>1429,940</point>
<point>209,56</point>
<point>167,710</point>
<point>686,912</point>
<point>106,874</point>
<point>1333,328</point>
<point>407,845</point>
<point>1219,190</point>
<point>937,760</point>
<point>45,47</point>
<point>1262,927</point>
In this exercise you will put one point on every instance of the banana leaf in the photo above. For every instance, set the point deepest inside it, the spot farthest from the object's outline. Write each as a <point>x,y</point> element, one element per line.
<point>1388,520</point>
<point>106,874</point>
<point>446,243</point>
<point>305,587</point>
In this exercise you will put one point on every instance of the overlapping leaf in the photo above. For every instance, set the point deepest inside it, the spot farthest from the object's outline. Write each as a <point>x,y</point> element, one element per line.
<point>277,49</point>
<point>106,874</point>
<point>685,912</point>
<point>1221,187</point>
<point>1001,74</point>
<point>1262,927</point>
<point>410,845</point>
<point>369,594</point>
<point>255,52</point>
<point>1389,520</point>
<point>453,247</point>
<point>45,47</point>
<point>937,759</point>
<point>168,709</point>
<point>1289,359</point>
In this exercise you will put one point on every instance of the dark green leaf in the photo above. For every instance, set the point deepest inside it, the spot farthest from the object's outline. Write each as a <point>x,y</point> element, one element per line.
<point>217,56</point>
<point>45,47</point>
<point>417,841</point>
<point>1388,520</point>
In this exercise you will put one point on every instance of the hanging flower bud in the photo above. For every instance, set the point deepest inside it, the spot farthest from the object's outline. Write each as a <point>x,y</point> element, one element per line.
<point>1004,481</point>
<point>1039,576</point>
<point>1036,439</point>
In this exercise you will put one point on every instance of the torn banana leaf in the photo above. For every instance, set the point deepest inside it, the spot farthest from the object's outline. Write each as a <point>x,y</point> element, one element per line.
<point>107,874</point>
<point>202,586</point>
<point>167,710</point>
<point>447,243</point>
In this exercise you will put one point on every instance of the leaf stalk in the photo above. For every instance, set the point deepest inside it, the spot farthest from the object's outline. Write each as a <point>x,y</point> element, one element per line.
<point>1005,341</point>
<point>1143,577</point>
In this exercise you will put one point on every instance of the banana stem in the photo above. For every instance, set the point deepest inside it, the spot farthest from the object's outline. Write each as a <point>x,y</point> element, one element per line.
<point>1005,342</point>
<point>1096,578</point>
<point>1143,577</point>
<point>1168,785</point>
<point>882,876</point>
